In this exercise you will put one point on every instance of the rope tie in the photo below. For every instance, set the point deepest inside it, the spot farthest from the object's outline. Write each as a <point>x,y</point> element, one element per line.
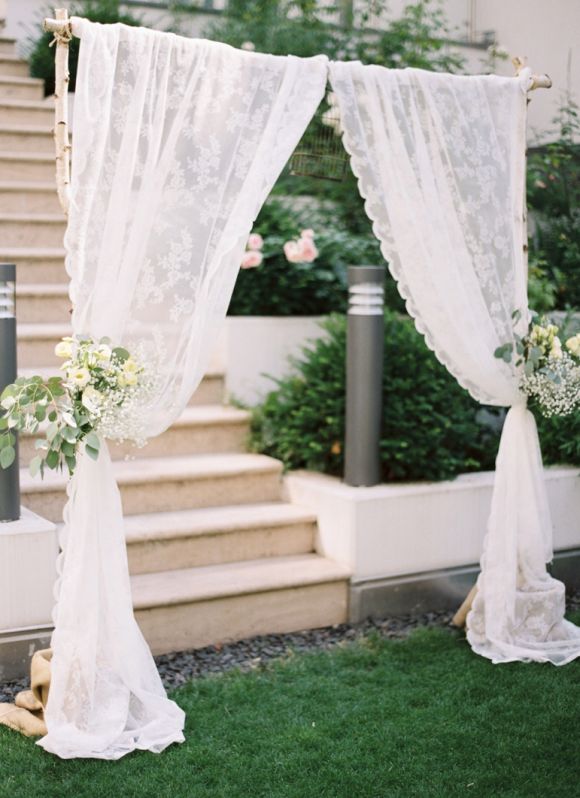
<point>63,36</point>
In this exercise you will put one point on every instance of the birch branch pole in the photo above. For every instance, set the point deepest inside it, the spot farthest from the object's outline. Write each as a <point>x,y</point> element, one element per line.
<point>538,82</point>
<point>60,27</point>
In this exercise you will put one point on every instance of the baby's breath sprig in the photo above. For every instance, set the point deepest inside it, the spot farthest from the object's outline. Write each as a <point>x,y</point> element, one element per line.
<point>551,369</point>
<point>100,395</point>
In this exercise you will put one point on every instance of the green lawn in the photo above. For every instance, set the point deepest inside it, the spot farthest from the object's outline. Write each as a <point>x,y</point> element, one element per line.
<point>418,717</point>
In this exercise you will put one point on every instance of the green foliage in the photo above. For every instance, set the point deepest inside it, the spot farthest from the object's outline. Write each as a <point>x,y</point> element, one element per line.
<point>560,438</point>
<point>559,242</point>
<point>280,288</point>
<point>432,429</point>
<point>302,28</point>
<point>28,403</point>
<point>41,55</point>
<point>554,197</point>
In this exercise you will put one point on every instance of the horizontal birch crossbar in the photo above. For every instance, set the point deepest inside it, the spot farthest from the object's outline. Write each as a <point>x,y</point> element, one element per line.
<point>58,26</point>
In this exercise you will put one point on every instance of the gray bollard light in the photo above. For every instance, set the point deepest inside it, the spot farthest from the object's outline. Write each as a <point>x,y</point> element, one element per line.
<point>9,478</point>
<point>364,375</point>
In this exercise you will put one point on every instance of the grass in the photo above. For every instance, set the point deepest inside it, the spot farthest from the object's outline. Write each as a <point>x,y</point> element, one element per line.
<point>419,717</point>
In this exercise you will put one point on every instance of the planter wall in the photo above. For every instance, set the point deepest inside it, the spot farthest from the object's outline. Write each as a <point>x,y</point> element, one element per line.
<point>418,545</point>
<point>251,347</point>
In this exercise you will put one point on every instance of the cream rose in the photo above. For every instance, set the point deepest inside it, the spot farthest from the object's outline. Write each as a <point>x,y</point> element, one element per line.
<point>103,353</point>
<point>573,345</point>
<point>556,350</point>
<point>63,349</point>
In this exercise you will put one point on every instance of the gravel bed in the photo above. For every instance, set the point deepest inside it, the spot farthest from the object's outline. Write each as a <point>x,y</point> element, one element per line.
<point>180,667</point>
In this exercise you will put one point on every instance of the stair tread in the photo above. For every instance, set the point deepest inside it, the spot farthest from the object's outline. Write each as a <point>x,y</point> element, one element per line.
<point>23,155</point>
<point>20,80</point>
<point>197,415</point>
<point>41,105</point>
<point>46,218</point>
<point>51,371</point>
<point>23,185</point>
<point>233,579</point>
<point>12,58</point>
<point>213,520</point>
<point>44,330</point>
<point>161,469</point>
<point>30,253</point>
<point>41,289</point>
<point>22,127</point>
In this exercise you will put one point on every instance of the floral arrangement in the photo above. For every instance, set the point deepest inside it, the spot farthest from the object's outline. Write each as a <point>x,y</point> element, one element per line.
<point>551,370</point>
<point>101,395</point>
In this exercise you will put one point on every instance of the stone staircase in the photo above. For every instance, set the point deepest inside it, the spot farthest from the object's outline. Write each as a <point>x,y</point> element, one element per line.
<point>214,552</point>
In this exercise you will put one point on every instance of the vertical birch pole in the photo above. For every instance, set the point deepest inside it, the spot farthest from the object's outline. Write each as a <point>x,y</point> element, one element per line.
<point>538,82</point>
<point>62,37</point>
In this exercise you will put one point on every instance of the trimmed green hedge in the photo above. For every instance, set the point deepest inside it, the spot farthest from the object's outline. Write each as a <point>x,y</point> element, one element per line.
<point>432,428</point>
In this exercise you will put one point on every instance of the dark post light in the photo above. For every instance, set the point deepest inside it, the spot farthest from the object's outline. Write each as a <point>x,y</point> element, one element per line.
<point>9,478</point>
<point>364,375</point>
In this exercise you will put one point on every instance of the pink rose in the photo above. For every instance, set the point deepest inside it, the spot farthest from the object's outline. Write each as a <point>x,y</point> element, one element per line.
<point>255,241</point>
<point>251,259</point>
<point>293,252</point>
<point>301,251</point>
<point>309,251</point>
<point>307,233</point>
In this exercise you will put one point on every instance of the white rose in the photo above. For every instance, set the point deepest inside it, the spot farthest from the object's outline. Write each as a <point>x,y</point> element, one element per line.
<point>103,353</point>
<point>573,345</point>
<point>130,366</point>
<point>556,350</point>
<point>79,377</point>
<point>63,349</point>
<point>131,378</point>
<point>92,399</point>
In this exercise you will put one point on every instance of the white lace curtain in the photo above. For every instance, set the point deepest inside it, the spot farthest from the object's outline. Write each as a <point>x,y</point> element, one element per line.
<point>177,143</point>
<point>440,161</point>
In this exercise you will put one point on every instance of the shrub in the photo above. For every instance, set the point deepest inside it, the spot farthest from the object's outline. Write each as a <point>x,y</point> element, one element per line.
<point>280,288</point>
<point>432,428</point>
<point>560,439</point>
<point>554,195</point>
<point>41,55</point>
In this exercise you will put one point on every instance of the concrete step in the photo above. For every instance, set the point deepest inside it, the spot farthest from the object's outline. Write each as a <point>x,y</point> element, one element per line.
<point>7,46</point>
<point>16,88</point>
<point>204,429</point>
<point>35,265</point>
<point>210,391</point>
<point>26,138</point>
<point>162,484</point>
<point>36,343</point>
<point>23,197</point>
<point>21,166</point>
<point>27,112</point>
<point>216,535</point>
<point>13,66</point>
<point>42,303</point>
<point>33,230</point>
<point>197,607</point>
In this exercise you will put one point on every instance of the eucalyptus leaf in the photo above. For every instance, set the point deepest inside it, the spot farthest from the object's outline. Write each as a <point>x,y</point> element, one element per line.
<point>7,456</point>
<point>93,441</point>
<point>92,453</point>
<point>34,466</point>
